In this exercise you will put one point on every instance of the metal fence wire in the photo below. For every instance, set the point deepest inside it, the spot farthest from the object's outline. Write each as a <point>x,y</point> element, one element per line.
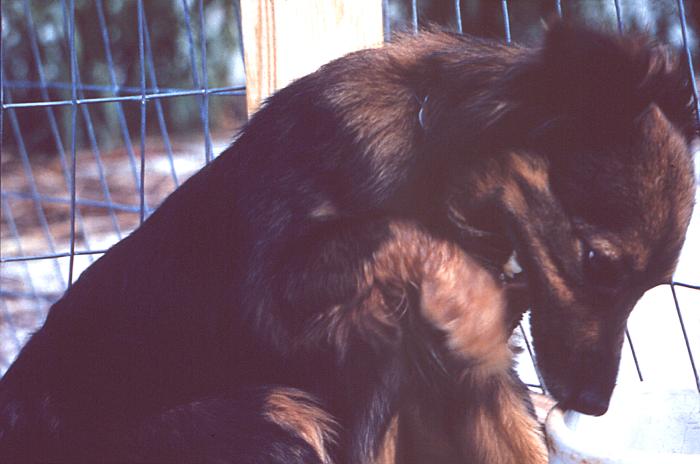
<point>92,143</point>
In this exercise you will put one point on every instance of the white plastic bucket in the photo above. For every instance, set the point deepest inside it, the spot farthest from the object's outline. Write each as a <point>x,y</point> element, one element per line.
<point>641,426</point>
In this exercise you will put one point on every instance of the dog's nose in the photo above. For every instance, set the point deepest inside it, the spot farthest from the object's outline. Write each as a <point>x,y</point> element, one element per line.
<point>590,402</point>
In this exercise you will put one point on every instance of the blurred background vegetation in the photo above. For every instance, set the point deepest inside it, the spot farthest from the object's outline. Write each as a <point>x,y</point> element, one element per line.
<point>24,21</point>
<point>169,58</point>
<point>485,17</point>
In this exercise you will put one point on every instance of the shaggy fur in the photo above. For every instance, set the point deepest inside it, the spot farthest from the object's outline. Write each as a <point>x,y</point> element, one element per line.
<point>329,289</point>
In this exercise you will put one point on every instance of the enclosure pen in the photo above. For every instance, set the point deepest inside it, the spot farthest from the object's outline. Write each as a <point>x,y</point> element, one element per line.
<point>80,96</point>
<point>694,84</point>
<point>78,104</point>
<point>74,126</point>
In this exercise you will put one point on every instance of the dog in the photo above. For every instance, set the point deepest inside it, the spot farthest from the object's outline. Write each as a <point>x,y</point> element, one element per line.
<point>340,285</point>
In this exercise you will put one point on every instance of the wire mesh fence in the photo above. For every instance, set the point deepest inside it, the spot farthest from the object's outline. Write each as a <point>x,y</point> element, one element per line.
<point>107,107</point>
<point>84,163</point>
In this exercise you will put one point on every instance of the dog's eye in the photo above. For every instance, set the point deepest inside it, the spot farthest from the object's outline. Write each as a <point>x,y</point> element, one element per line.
<point>600,269</point>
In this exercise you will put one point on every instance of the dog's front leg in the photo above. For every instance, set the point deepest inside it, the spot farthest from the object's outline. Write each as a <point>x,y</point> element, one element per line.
<point>487,415</point>
<point>484,419</point>
<point>499,426</point>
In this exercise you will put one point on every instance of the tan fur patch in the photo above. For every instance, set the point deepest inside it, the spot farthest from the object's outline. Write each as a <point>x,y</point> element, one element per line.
<point>532,170</point>
<point>552,275</point>
<point>457,295</point>
<point>463,299</point>
<point>514,199</point>
<point>507,434</point>
<point>387,450</point>
<point>383,119</point>
<point>299,413</point>
<point>664,181</point>
<point>324,210</point>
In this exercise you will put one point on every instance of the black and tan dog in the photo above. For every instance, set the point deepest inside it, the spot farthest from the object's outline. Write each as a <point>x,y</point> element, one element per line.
<point>330,289</point>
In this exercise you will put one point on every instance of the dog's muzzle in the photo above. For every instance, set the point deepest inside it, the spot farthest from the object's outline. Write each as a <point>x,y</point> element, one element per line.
<point>591,401</point>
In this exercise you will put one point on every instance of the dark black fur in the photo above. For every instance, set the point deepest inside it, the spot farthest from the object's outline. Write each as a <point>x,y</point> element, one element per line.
<point>163,349</point>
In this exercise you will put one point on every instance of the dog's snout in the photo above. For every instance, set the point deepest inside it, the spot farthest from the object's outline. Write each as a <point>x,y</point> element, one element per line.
<point>589,401</point>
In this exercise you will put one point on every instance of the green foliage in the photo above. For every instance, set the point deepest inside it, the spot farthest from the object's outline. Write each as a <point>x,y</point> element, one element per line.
<point>168,60</point>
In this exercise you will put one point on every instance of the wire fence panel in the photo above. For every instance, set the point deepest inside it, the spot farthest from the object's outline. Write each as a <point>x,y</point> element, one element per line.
<point>92,141</point>
<point>107,107</point>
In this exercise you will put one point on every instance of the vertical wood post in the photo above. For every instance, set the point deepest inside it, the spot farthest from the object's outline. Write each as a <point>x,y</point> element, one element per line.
<point>286,39</point>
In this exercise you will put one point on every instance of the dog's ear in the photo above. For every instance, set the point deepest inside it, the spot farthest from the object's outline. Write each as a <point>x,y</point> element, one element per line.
<point>605,77</point>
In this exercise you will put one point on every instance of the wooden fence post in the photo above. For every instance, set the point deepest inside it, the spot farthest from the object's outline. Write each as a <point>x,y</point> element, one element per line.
<point>287,39</point>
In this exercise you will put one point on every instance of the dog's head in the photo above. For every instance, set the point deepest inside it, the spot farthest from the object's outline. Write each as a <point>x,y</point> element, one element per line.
<point>594,197</point>
<point>593,234</point>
